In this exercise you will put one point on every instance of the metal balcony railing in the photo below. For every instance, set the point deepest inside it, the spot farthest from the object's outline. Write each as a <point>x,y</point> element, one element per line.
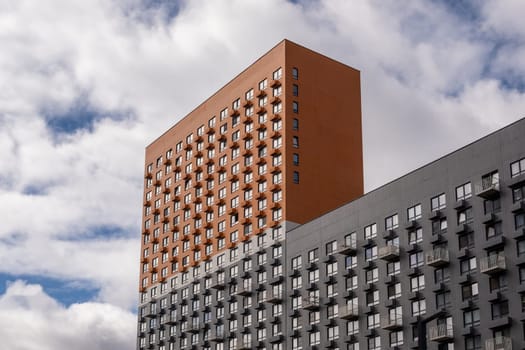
<point>437,257</point>
<point>441,333</point>
<point>349,311</point>
<point>498,343</point>
<point>388,252</point>
<point>492,264</point>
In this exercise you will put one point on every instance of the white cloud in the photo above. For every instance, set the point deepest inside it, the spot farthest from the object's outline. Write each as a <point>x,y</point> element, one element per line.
<point>430,84</point>
<point>32,320</point>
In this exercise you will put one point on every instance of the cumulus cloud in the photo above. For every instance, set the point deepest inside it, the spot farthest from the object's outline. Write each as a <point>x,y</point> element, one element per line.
<point>32,320</point>
<point>71,179</point>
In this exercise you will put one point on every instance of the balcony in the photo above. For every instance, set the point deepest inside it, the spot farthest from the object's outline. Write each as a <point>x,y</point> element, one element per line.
<point>441,333</point>
<point>492,264</point>
<point>244,290</point>
<point>488,188</point>
<point>437,257</point>
<point>274,297</point>
<point>389,252</point>
<point>217,336</point>
<point>392,322</point>
<point>349,312</point>
<point>311,303</point>
<point>348,248</point>
<point>498,343</point>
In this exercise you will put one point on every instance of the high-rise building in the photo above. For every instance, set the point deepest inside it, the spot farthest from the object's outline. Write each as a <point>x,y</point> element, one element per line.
<point>277,146</point>
<point>256,234</point>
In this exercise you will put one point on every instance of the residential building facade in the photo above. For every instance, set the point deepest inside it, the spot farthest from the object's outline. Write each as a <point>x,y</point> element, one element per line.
<point>257,235</point>
<point>230,179</point>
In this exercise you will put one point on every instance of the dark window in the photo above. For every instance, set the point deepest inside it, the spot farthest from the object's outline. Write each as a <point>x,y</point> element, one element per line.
<point>442,300</point>
<point>520,247</point>
<point>522,274</point>
<point>473,342</point>
<point>518,194</point>
<point>295,177</point>
<point>439,226</point>
<point>519,220</point>
<point>295,141</point>
<point>517,168</point>
<point>295,73</point>
<point>492,206</point>
<point>466,240</point>
<point>471,318</point>
<point>497,283</point>
<point>295,124</point>
<point>295,89</point>
<point>465,216</point>
<point>441,275</point>
<point>295,107</point>
<point>500,309</point>
<point>493,230</point>
<point>295,159</point>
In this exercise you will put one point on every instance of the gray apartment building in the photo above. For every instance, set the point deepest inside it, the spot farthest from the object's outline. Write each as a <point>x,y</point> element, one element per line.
<point>444,241</point>
<point>241,250</point>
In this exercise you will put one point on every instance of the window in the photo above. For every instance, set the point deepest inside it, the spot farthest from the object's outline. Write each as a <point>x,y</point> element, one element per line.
<point>439,226</point>
<point>493,230</point>
<point>492,206</point>
<point>414,212</point>
<point>372,321</point>
<point>415,236</point>
<point>295,73</point>
<point>313,255</point>
<point>295,107</point>
<point>466,240</point>
<point>416,259</point>
<point>517,168</point>
<point>465,216</point>
<point>372,275</point>
<point>473,342</point>
<point>295,90</point>
<point>371,253</point>
<point>417,283</point>
<point>295,124</point>
<point>295,177</point>
<point>394,290</point>
<point>442,300</point>
<point>500,309</point>
<point>391,222</point>
<point>370,231</point>
<point>438,202</point>
<point>419,307</point>
<point>295,141</point>
<point>520,247</point>
<point>277,74</point>
<point>374,343</point>
<point>471,318</point>
<point>519,221</point>
<point>396,338</point>
<point>295,158</point>
<point>469,291</point>
<point>467,265</point>
<point>518,194</point>
<point>464,191</point>
<point>393,268</point>
<point>331,247</point>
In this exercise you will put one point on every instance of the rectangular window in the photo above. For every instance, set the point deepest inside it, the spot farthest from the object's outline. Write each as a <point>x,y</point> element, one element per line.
<point>464,191</point>
<point>295,107</point>
<point>414,212</point>
<point>438,202</point>
<point>295,90</point>
<point>517,168</point>
<point>370,231</point>
<point>391,222</point>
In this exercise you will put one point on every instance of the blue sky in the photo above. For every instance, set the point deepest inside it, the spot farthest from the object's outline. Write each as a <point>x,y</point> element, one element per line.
<point>86,85</point>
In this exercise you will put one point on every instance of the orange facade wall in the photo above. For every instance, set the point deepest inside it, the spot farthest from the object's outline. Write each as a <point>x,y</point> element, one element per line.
<point>330,154</point>
<point>330,143</point>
